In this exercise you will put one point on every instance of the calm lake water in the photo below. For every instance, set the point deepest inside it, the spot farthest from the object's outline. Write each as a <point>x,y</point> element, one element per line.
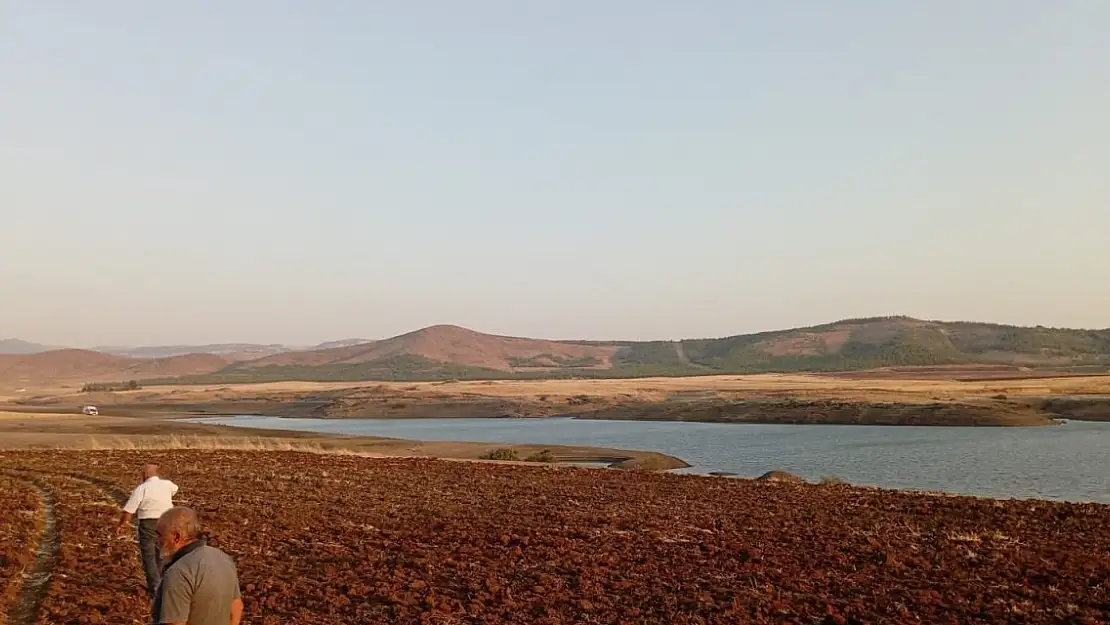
<point>1069,462</point>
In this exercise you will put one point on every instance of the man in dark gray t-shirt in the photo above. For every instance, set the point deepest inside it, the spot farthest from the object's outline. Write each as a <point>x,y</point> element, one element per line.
<point>200,585</point>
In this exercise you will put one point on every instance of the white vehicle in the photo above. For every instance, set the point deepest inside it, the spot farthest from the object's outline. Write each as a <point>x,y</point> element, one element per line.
<point>90,410</point>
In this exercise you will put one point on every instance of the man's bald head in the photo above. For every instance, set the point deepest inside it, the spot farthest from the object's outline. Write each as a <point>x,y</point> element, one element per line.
<point>149,471</point>
<point>177,527</point>
<point>180,520</point>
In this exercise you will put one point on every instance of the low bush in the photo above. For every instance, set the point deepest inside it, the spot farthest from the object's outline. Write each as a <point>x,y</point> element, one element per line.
<point>501,453</point>
<point>542,456</point>
<point>100,387</point>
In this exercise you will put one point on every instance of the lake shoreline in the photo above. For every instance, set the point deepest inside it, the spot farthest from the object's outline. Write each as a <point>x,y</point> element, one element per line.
<point>1064,462</point>
<point>841,453</point>
<point>20,430</point>
<point>775,411</point>
<point>806,399</point>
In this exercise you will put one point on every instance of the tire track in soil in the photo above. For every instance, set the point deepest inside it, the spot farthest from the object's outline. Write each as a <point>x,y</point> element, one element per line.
<point>121,496</point>
<point>28,603</point>
<point>115,493</point>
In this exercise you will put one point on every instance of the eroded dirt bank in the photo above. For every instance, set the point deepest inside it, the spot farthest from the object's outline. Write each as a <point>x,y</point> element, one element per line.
<point>831,412</point>
<point>399,404</point>
<point>1079,408</point>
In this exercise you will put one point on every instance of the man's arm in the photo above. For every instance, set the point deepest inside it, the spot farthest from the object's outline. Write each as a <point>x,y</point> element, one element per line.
<point>236,611</point>
<point>124,522</point>
<point>237,601</point>
<point>129,510</point>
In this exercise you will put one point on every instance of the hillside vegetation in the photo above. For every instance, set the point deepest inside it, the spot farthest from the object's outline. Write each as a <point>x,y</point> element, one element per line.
<point>449,352</point>
<point>899,342</point>
<point>454,353</point>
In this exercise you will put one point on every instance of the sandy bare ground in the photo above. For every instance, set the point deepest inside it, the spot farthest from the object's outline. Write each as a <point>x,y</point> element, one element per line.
<point>657,389</point>
<point>769,398</point>
<point>799,386</point>
<point>848,387</point>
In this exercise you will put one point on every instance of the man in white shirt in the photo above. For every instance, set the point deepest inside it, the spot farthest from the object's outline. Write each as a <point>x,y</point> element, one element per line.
<point>148,502</point>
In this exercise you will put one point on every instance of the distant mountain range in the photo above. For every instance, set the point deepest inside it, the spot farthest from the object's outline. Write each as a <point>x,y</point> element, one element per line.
<point>16,346</point>
<point>231,351</point>
<point>452,352</point>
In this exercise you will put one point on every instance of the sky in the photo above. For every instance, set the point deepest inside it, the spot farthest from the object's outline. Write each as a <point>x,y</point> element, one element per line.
<point>289,171</point>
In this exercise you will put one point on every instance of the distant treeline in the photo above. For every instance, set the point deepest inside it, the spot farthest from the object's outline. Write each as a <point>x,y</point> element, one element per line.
<point>101,387</point>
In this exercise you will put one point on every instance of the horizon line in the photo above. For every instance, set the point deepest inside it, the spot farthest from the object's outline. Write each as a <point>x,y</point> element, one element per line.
<point>100,348</point>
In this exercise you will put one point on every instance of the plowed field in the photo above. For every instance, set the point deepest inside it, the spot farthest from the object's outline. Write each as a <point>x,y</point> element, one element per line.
<point>21,511</point>
<point>97,578</point>
<point>336,539</point>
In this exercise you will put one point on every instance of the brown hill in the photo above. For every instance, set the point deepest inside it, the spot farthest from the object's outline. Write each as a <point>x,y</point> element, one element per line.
<point>79,365</point>
<point>450,352</point>
<point>174,366</point>
<point>460,346</point>
<point>61,364</point>
<point>856,344</point>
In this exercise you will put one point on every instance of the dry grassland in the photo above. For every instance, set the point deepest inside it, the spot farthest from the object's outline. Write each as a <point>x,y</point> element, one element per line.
<point>658,389</point>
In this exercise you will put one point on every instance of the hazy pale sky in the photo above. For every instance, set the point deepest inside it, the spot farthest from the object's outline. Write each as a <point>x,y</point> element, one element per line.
<point>290,171</point>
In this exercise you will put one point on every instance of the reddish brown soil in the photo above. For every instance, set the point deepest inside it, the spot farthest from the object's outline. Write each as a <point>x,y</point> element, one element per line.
<point>97,578</point>
<point>59,364</point>
<point>446,344</point>
<point>19,533</point>
<point>172,366</point>
<point>806,343</point>
<point>329,540</point>
<point>78,365</point>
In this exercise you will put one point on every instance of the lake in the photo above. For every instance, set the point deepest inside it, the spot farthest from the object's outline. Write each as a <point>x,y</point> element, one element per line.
<point>1068,462</point>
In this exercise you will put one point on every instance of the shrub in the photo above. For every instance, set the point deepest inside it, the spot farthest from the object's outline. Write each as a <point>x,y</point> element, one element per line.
<point>100,387</point>
<point>501,453</point>
<point>542,456</point>
<point>832,480</point>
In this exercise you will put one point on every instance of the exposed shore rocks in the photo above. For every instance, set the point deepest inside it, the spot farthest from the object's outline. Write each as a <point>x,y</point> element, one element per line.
<point>781,477</point>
